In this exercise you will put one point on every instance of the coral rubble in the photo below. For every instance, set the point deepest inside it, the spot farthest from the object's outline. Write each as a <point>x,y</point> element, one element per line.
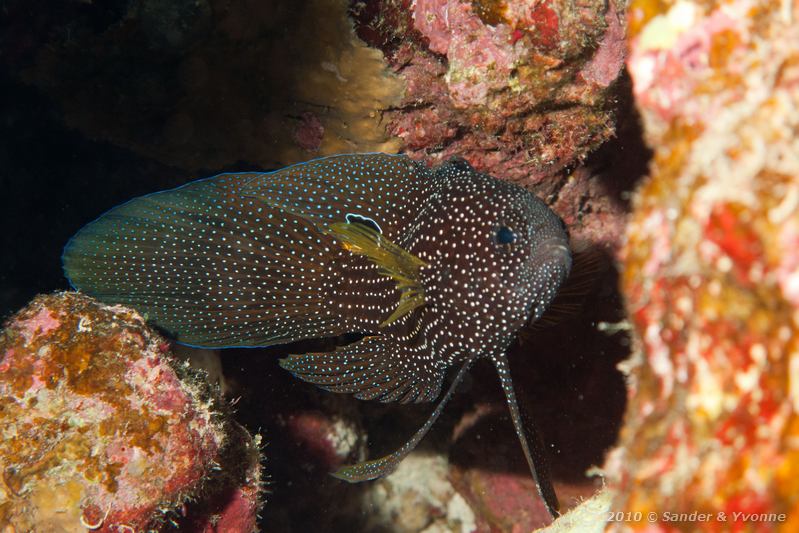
<point>711,270</point>
<point>419,497</point>
<point>102,430</point>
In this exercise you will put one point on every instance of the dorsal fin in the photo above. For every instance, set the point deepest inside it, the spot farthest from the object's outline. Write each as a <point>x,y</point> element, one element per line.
<point>203,263</point>
<point>380,187</point>
<point>241,259</point>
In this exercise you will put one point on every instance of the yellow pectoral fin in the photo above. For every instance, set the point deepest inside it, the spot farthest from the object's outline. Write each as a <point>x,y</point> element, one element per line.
<point>409,301</point>
<point>394,262</point>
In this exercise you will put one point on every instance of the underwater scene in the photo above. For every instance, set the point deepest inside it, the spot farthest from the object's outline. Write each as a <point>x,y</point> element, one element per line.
<point>399,266</point>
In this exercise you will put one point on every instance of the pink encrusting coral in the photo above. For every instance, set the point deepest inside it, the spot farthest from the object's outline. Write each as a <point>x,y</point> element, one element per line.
<point>102,430</point>
<point>472,48</point>
<point>711,271</point>
<point>518,87</point>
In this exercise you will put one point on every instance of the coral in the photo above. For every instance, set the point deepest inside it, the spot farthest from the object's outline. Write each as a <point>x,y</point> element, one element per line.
<point>309,133</point>
<point>519,88</point>
<point>329,441</point>
<point>418,496</point>
<point>208,84</point>
<point>523,89</point>
<point>502,500</point>
<point>204,359</point>
<point>100,429</point>
<point>262,84</point>
<point>231,495</point>
<point>710,270</point>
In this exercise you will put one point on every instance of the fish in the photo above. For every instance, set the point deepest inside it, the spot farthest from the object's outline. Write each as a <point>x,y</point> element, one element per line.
<point>435,267</point>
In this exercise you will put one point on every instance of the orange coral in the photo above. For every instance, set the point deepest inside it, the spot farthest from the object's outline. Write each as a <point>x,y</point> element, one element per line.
<point>98,427</point>
<point>714,401</point>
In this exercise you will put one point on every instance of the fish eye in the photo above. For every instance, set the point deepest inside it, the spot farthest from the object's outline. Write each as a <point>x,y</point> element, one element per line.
<point>505,235</point>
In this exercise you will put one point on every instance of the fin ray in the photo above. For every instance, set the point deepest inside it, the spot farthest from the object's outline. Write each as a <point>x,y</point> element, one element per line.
<point>377,468</point>
<point>381,187</point>
<point>210,267</point>
<point>532,448</point>
<point>372,368</point>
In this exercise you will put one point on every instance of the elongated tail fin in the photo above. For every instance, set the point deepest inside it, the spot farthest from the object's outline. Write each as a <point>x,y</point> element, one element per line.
<point>532,447</point>
<point>385,465</point>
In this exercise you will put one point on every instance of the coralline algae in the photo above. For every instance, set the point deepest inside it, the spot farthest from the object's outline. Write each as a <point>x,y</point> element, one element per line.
<point>710,271</point>
<point>101,431</point>
<point>519,88</point>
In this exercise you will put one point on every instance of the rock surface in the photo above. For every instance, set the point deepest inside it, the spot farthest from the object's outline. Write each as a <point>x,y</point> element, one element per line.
<point>102,429</point>
<point>711,270</point>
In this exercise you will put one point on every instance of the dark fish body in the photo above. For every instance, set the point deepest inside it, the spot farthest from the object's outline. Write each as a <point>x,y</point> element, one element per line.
<point>437,267</point>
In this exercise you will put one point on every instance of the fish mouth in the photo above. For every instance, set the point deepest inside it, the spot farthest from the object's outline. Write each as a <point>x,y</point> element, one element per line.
<point>553,255</point>
<point>554,251</point>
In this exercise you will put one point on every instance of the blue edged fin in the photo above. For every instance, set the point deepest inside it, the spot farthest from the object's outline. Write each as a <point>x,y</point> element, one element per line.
<point>385,465</point>
<point>374,368</point>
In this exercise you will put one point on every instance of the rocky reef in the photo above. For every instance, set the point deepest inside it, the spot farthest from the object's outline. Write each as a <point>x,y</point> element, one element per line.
<point>104,431</point>
<point>207,84</point>
<point>520,89</point>
<point>525,90</point>
<point>711,271</point>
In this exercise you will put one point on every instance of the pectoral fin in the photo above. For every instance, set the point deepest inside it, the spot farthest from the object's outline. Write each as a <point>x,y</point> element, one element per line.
<point>394,262</point>
<point>374,368</point>
<point>532,447</point>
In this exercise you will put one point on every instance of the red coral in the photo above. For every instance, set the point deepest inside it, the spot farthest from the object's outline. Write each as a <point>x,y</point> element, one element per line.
<point>714,408</point>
